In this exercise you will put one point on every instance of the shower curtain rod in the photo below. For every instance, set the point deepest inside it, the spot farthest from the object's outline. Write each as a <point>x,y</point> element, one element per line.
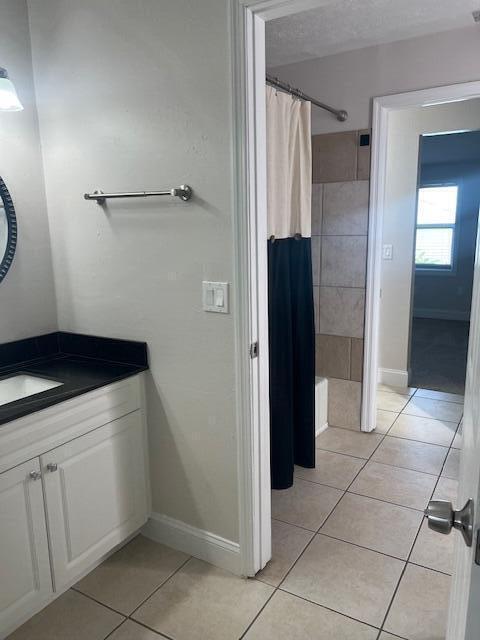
<point>340,114</point>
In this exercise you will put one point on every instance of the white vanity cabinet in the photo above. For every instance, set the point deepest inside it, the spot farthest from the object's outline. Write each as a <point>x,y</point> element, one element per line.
<point>65,508</point>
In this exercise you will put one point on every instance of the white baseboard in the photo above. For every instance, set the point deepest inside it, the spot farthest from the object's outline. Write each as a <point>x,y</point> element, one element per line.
<point>442,314</point>
<point>393,377</point>
<point>196,542</point>
<point>320,430</point>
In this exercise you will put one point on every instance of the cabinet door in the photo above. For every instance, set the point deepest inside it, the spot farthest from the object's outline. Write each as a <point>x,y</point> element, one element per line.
<point>25,580</point>
<point>95,495</point>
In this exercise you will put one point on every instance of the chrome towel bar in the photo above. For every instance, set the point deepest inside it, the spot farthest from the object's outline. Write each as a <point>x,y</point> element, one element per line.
<point>184,192</point>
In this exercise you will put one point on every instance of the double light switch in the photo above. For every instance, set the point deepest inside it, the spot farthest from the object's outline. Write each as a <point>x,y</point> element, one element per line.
<point>215,297</point>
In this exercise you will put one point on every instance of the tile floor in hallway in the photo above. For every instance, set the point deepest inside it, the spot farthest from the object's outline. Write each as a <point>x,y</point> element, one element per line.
<point>352,557</point>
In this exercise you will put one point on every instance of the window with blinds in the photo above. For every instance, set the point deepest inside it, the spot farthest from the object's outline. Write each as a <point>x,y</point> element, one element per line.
<point>435,232</point>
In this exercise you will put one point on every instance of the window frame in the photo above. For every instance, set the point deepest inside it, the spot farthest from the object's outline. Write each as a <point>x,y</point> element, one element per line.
<point>440,270</point>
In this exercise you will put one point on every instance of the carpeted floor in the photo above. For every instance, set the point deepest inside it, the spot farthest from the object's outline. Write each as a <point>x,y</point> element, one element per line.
<point>438,356</point>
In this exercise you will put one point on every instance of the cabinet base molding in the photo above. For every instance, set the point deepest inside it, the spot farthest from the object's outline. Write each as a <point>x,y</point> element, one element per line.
<point>199,543</point>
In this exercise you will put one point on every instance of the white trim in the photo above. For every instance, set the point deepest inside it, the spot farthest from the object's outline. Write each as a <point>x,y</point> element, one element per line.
<point>368,418</point>
<point>381,108</point>
<point>321,429</point>
<point>253,422</point>
<point>196,542</point>
<point>442,314</point>
<point>393,377</point>
<point>271,9</point>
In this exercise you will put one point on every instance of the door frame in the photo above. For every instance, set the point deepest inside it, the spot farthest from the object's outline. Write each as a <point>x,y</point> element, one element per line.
<point>247,30</point>
<point>249,233</point>
<point>382,107</point>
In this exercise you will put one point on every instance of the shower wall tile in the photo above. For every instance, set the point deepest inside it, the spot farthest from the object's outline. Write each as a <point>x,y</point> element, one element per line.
<point>332,356</point>
<point>334,157</point>
<point>344,403</point>
<point>340,201</point>
<point>316,311</point>
<point>346,208</point>
<point>342,311</point>
<point>356,360</point>
<point>344,260</point>
<point>316,258</point>
<point>363,157</point>
<point>317,209</point>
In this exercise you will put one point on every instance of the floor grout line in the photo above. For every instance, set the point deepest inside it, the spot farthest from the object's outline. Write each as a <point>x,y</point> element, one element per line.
<point>395,504</point>
<point>275,589</point>
<point>299,526</point>
<point>109,635</point>
<point>345,615</point>
<point>160,586</point>
<point>102,604</point>
<point>160,634</point>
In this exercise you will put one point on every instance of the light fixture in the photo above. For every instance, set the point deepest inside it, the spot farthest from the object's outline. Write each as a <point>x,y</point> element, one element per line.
<point>8,96</point>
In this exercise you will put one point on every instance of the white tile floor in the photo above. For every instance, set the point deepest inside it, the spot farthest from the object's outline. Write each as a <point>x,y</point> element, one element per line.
<point>373,560</point>
<point>352,556</point>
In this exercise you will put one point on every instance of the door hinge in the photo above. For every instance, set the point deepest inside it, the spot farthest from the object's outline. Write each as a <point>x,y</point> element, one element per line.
<point>254,350</point>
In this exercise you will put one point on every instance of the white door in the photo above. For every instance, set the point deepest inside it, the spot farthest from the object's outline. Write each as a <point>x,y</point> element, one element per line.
<point>95,495</point>
<point>464,616</point>
<point>25,581</point>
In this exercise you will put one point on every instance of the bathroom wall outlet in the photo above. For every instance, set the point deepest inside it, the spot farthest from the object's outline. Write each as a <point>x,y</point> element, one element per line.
<point>215,297</point>
<point>387,252</point>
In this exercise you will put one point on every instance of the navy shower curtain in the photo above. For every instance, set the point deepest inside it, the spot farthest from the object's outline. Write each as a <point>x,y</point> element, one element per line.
<point>290,288</point>
<point>292,358</point>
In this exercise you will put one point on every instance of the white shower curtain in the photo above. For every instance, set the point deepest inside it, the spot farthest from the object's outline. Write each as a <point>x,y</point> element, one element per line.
<point>290,287</point>
<point>289,165</point>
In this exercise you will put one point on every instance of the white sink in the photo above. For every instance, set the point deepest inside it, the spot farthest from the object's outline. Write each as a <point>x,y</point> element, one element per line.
<point>22,386</point>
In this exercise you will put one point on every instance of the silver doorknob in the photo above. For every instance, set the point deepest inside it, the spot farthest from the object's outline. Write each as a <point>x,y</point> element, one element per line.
<point>442,518</point>
<point>34,475</point>
<point>52,466</point>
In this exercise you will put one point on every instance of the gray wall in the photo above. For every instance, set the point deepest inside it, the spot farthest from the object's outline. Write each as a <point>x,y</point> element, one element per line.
<point>134,96</point>
<point>27,297</point>
<point>350,80</point>
<point>453,158</point>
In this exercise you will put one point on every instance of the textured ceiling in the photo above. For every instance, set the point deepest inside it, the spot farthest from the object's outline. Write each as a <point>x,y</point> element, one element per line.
<point>346,25</point>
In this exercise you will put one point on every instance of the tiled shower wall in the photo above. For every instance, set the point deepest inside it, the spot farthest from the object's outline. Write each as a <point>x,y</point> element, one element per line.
<point>341,172</point>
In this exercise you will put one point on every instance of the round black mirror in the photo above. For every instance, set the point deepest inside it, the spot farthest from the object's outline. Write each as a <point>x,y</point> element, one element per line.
<point>8,230</point>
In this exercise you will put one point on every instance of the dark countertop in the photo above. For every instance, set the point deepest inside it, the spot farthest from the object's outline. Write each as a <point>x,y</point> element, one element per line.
<point>67,358</point>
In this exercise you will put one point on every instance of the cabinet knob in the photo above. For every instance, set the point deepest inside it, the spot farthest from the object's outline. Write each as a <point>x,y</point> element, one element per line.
<point>35,475</point>
<point>52,466</point>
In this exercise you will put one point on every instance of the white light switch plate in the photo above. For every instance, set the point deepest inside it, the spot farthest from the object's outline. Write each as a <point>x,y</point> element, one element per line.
<point>387,252</point>
<point>215,297</point>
